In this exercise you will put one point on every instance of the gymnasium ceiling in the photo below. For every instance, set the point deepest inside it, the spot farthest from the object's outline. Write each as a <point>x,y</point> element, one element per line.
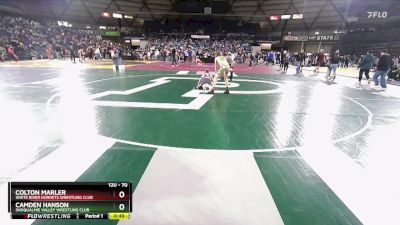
<point>318,14</point>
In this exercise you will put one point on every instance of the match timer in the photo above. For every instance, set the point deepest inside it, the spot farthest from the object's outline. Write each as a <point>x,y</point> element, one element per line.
<point>70,200</point>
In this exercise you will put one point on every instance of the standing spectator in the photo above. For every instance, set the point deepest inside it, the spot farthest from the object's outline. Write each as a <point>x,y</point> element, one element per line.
<point>230,58</point>
<point>105,53</point>
<point>282,59</point>
<point>149,55</point>
<point>72,51</point>
<point>365,66</point>
<point>381,71</point>
<point>190,55</point>
<point>285,61</point>
<point>97,53</point>
<point>58,51</point>
<point>273,58</point>
<point>333,65</point>
<point>145,56</point>
<point>117,60</point>
<point>33,55</point>
<point>251,59</point>
<point>185,55</point>
<point>65,53</point>
<point>164,55</point>
<point>346,62</point>
<point>376,59</point>
<point>257,57</point>
<point>393,68</point>
<point>157,54</point>
<point>320,60</point>
<point>11,53</point>
<point>173,54</point>
<point>50,53</point>
<point>81,55</point>
<point>89,53</point>
<point>299,60</point>
<point>270,58</point>
<point>306,60</point>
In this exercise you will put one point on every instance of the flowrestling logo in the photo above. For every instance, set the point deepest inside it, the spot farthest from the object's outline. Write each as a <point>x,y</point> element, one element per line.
<point>377,14</point>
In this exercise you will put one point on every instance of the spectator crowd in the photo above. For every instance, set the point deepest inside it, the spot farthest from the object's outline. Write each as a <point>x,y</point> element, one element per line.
<point>22,38</point>
<point>189,49</point>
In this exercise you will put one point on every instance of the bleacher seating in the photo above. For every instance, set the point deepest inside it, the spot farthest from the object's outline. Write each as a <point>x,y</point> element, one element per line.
<point>357,43</point>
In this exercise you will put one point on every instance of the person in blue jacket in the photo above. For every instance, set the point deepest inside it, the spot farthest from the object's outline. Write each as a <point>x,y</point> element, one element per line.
<point>365,66</point>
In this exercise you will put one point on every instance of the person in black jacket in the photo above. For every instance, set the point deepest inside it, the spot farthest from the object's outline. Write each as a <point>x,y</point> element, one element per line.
<point>251,59</point>
<point>333,65</point>
<point>281,58</point>
<point>72,51</point>
<point>173,54</point>
<point>381,70</point>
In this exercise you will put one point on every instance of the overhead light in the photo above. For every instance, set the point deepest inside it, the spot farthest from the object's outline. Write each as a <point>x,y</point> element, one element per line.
<point>102,27</point>
<point>207,10</point>
<point>128,17</point>
<point>335,31</point>
<point>316,32</point>
<point>127,41</point>
<point>105,14</point>
<point>62,23</point>
<point>352,19</point>
<point>117,15</point>
<point>88,27</point>
<point>285,17</point>
<point>297,16</point>
<point>274,18</point>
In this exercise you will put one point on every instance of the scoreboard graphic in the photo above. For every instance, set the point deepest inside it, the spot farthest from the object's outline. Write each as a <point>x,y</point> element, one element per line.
<point>70,200</point>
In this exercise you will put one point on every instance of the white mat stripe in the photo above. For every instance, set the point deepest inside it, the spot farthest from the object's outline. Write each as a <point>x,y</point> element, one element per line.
<point>182,72</point>
<point>203,187</point>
